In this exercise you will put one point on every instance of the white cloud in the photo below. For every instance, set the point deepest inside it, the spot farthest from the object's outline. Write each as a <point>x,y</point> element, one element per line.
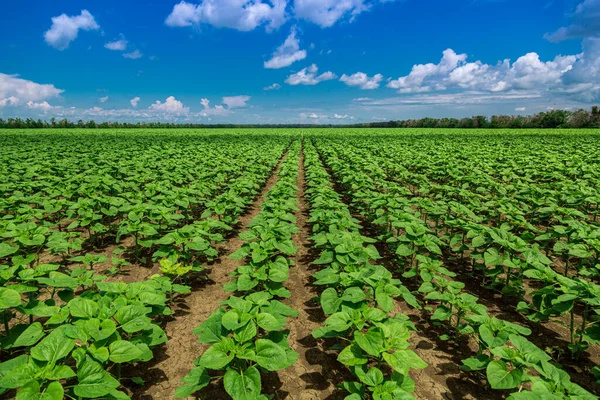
<point>421,74</point>
<point>453,72</point>
<point>170,106</point>
<point>118,44</point>
<point>24,90</point>
<point>275,86</point>
<point>236,101</point>
<point>134,102</point>
<point>43,106</point>
<point>10,101</point>
<point>362,80</point>
<point>362,99</point>
<point>520,109</point>
<point>103,99</point>
<point>65,29</point>
<point>338,116</point>
<point>243,15</point>
<point>326,13</point>
<point>134,55</point>
<point>287,54</point>
<point>219,110</point>
<point>311,115</point>
<point>308,76</point>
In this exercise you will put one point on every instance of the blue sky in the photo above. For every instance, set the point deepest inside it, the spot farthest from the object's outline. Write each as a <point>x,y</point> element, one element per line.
<point>300,61</point>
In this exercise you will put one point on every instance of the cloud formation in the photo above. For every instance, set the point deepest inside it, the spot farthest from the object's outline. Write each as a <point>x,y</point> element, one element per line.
<point>243,15</point>
<point>65,29</point>
<point>287,54</point>
<point>308,76</point>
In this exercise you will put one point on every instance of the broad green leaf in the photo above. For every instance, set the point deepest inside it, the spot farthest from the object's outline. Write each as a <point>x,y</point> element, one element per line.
<point>123,351</point>
<point>500,377</point>
<point>30,336</point>
<point>243,386</point>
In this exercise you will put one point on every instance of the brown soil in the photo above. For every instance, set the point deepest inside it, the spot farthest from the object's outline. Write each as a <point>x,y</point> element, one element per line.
<point>316,372</point>
<point>175,359</point>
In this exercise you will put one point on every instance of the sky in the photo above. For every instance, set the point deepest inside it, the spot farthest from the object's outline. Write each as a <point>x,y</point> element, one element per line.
<point>296,61</point>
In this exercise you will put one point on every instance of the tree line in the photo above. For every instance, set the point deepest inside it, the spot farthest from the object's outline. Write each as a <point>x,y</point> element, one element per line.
<point>544,120</point>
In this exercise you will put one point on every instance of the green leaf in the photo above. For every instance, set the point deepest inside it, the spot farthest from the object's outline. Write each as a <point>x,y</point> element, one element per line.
<point>371,342</point>
<point>211,330</point>
<point>246,333</point>
<point>54,391</point>
<point>499,377</point>
<point>7,250</point>
<point>218,355</point>
<point>352,355</point>
<point>9,298</point>
<point>268,322</point>
<point>83,308</point>
<point>270,355</point>
<point>123,351</point>
<point>30,336</point>
<point>54,346</point>
<point>197,379</point>
<point>93,380</point>
<point>133,318</point>
<point>403,361</point>
<point>330,302</point>
<point>19,376</point>
<point>244,386</point>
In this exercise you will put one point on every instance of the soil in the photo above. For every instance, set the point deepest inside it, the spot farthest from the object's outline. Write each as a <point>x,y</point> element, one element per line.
<point>316,372</point>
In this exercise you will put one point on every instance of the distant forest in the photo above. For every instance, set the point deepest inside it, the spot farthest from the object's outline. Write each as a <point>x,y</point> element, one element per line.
<point>553,119</point>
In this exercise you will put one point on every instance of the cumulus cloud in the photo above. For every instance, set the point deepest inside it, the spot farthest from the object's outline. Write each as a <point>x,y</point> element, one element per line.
<point>11,86</point>
<point>275,86</point>
<point>170,106</point>
<point>359,99</point>
<point>134,102</point>
<point>236,101</point>
<point>103,99</point>
<point>10,101</point>
<point>362,80</point>
<point>117,44</point>
<point>527,72</point>
<point>421,74</point>
<point>583,79</point>
<point>520,109</point>
<point>338,116</point>
<point>134,55</point>
<point>42,106</point>
<point>209,111</point>
<point>311,116</point>
<point>585,23</point>
<point>243,15</point>
<point>287,54</point>
<point>65,29</point>
<point>308,76</point>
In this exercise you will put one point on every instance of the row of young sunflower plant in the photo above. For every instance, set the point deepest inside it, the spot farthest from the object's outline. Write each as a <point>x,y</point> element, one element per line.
<point>68,333</point>
<point>358,297</point>
<point>510,250</point>
<point>247,335</point>
<point>505,358</point>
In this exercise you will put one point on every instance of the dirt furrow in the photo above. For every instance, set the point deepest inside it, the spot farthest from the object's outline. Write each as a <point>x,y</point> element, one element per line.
<point>172,362</point>
<point>313,375</point>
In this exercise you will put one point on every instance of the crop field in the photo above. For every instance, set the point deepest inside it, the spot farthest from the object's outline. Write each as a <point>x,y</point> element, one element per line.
<point>299,264</point>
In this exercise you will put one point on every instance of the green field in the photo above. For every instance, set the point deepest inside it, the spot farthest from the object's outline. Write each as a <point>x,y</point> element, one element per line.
<point>300,264</point>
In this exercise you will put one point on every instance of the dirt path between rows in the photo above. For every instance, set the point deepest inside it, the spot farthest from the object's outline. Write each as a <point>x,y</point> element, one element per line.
<point>175,359</point>
<point>312,376</point>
